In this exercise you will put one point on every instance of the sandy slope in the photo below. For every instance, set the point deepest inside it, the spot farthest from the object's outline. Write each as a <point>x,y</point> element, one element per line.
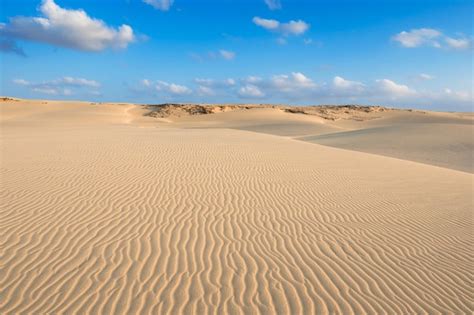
<point>441,139</point>
<point>106,211</point>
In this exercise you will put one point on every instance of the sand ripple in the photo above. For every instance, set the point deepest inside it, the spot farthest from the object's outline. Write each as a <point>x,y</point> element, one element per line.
<point>147,221</point>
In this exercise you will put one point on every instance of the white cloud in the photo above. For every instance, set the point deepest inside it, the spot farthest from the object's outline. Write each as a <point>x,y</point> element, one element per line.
<point>77,82</point>
<point>425,77</point>
<point>227,54</point>
<point>297,81</point>
<point>460,43</point>
<point>301,79</point>
<point>230,81</point>
<point>418,37</point>
<point>273,4</point>
<point>250,91</point>
<point>298,27</point>
<point>210,87</point>
<point>172,88</point>
<point>430,37</point>
<point>59,86</point>
<point>68,28</point>
<point>296,87</point>
<point>307,41</point>
<point>21,82</point>
<point>205,91</point>
<point>294,27</point>
<point>353,87</point>
<point>459,95</point>
<point>163,5</point>
<point>390,88</point>
<point>46,90</point>
<point>253,79</point>
<point>165,87</point>
<point>266,23</point>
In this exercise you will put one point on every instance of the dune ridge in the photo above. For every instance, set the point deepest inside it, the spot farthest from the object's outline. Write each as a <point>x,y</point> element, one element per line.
<point>329,112</point>
<point>112,211</point>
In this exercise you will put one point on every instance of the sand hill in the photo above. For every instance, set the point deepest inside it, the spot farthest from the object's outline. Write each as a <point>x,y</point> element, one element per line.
<point>127,209</point>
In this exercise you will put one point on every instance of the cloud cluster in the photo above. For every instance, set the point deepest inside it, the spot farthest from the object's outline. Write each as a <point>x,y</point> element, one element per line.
<point>209,87</point>
<point>72,29</point>
<point>432,38</point>
<point>62,86</point>
<point>343,87</point>
<point>170,89</point>
<point>297,87</point>
<point>251,91</point>
<point>292,27</point>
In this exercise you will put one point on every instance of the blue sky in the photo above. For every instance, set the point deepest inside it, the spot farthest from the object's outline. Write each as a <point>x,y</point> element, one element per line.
<point>402,53</point>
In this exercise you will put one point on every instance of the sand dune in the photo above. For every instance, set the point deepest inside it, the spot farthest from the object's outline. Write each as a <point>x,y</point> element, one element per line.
<point>441,139</point>
<point>108,210</point>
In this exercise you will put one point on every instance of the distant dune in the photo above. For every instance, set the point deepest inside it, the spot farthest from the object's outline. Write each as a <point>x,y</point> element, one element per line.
<point>442,139</point>
<point>226,209</point>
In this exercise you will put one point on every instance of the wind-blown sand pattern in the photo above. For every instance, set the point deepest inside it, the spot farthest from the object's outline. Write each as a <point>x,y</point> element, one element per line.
<point>105,209</point>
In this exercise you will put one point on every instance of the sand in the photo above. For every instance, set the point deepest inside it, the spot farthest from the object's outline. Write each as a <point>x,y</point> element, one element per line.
<point>105,209</point>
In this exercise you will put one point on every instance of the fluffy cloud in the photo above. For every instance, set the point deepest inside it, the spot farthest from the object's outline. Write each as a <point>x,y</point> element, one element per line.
<point>253,79</point>
<point>296,86</point>
<point>163,5</point>
<point>273,4</point>
<point>298,27</point>
<point>205,91</point>
<point>77,82</point>
<point>62,86</point>
<point>418,37</point>
<point>342,84</point>
<point>294,27</point>
<point>430,37</point>
<point>297,81</point>
<point>172,89</point>
<point>390,88</point>
<point>458,95</point>
<point>460,43</point>
<point>210,87</point>
<point>250,91</point>
<point>227,54</point>
<point>266,23</point>
<point>67,28</point>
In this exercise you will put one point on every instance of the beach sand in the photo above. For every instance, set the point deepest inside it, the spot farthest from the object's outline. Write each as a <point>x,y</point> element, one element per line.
<point>120,208</point>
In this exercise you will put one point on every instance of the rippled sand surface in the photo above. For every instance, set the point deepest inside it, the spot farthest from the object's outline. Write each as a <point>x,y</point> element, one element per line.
<point>104,210</point>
